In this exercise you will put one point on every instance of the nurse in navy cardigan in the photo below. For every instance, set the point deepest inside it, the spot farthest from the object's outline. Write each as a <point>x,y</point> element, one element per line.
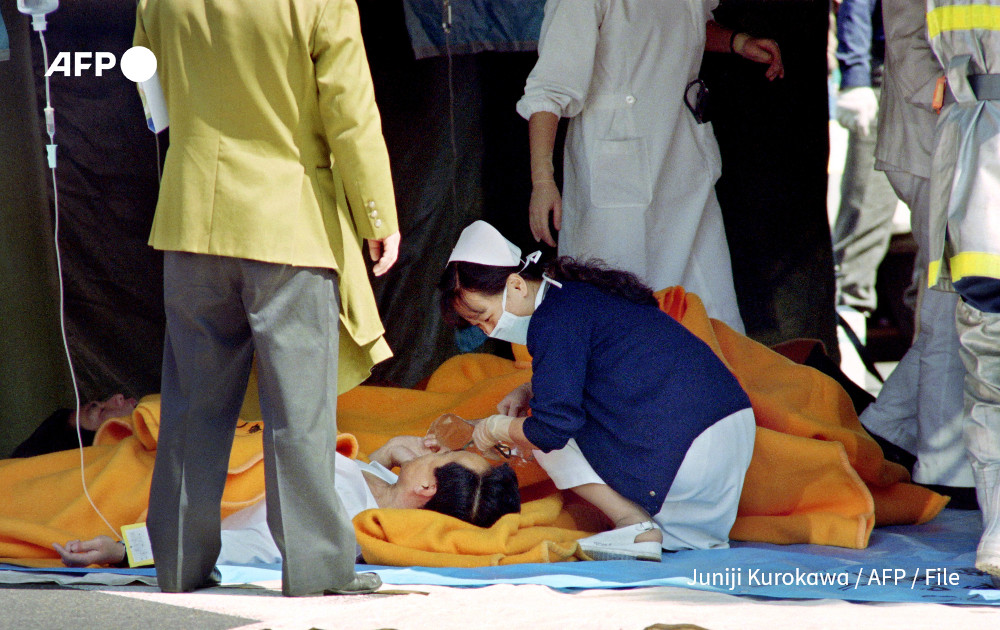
<point>627,407</point>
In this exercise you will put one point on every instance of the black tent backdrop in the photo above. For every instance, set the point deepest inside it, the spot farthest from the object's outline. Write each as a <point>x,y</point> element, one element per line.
<point>32,372</point>
<point>458,151</point>
<point>774,140</point>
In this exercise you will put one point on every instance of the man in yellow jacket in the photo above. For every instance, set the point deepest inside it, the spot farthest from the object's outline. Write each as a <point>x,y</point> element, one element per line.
<point>277,170</point>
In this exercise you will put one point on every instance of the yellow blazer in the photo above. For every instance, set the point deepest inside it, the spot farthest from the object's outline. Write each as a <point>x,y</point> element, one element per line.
<point>276,148</point>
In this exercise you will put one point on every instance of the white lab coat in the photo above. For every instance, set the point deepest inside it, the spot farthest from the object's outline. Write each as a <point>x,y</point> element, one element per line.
<point>246,538</point>
<point>639,171</point>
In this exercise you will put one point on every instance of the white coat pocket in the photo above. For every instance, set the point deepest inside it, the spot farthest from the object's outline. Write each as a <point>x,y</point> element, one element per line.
<point>619,174</point>
<point>709,147</point>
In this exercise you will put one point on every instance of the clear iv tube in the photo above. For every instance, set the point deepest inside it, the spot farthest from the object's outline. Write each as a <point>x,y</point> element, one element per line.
<point>50,128</point>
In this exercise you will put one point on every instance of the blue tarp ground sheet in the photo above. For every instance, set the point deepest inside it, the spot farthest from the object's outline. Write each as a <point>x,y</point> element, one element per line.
<point>924,563</point>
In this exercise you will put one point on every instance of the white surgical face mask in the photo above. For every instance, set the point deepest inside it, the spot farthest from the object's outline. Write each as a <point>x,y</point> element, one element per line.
<point>514,328</point>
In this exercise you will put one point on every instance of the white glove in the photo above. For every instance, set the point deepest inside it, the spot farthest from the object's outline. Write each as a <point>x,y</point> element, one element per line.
<point>491,430</point>
<point>516,403</point>
<point>857,108</point>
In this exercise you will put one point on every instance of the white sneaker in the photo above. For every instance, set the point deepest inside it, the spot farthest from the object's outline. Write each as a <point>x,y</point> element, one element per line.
<point>988,559</point>
<point>988,493</point>
<point>619,544</point>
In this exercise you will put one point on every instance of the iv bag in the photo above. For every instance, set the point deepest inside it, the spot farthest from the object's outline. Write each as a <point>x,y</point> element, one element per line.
<point>37,7</point>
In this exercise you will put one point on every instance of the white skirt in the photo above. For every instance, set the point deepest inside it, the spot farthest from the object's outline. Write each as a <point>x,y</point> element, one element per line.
<point>701,506</point>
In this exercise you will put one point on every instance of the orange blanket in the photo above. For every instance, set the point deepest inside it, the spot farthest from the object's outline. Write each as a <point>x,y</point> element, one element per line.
<point>816,476</point>
<point>542,532</point>
<point>43,499</point>
<point>811,450</point>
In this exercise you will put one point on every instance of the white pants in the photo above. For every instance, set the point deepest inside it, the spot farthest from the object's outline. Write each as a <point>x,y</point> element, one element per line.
<point>700,508</point>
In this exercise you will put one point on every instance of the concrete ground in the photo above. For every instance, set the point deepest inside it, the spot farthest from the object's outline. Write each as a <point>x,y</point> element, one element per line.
<point>498,607</point>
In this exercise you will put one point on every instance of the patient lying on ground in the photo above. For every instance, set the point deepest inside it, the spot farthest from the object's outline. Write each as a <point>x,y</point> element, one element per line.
<point>457,483</point>
<point>59,431</point>
<point>816,477</point>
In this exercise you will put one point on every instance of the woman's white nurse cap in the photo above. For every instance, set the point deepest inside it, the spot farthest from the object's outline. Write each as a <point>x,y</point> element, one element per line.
<point>483,244</point>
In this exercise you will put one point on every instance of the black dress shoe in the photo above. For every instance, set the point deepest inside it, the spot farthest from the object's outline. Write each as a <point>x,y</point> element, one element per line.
<point>214,579</point>
<point>362,584</point>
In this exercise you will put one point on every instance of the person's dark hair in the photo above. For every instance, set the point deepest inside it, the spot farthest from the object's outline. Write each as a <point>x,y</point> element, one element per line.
<point>462,276</point>
<point>623,284</point>
<point>480,500</point>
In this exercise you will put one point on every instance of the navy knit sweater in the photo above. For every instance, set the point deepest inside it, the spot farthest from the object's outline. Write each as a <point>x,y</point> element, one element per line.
<point>628,382</point>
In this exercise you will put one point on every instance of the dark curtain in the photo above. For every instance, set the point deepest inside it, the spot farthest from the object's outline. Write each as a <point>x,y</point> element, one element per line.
<point>458,151</point>
<point>774,140</point>
<point>32,367</point>
<point>107,181</point>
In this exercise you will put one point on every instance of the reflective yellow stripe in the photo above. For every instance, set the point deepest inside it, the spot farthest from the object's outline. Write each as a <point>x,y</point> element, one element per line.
<point>962,18</point>
<point>933,273</point>
<point>974,264</point>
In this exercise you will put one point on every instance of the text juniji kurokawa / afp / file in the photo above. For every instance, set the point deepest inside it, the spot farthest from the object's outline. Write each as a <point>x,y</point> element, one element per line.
<point>731,578</point>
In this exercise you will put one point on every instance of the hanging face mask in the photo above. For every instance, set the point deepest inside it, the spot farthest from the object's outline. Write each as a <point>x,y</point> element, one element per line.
<point>514,328</point>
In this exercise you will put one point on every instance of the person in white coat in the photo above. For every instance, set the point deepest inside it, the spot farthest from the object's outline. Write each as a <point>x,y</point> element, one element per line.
<point>641,161</point>
<point>920,405</point>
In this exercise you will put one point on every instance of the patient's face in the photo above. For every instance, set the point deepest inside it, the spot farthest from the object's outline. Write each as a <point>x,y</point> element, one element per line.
<point>421,469</point>
<point>96,412</point>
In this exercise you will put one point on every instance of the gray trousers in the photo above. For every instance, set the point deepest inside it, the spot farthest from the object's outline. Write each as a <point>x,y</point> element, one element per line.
<point>863,226</point>
<point>220,312</point>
